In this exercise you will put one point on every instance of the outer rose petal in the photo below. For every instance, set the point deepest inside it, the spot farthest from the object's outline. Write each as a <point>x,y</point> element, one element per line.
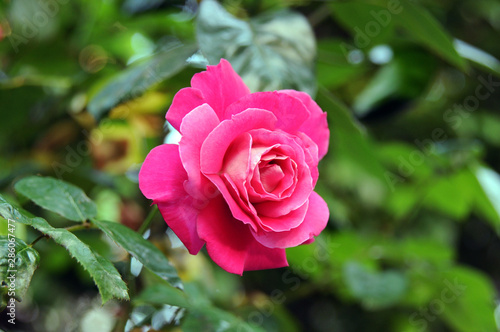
<point>230,243</point>
<point>260,257</point>
<point>316,126</point>
<point>314,222</point>
<point>181,216</point>
<point>162,174</point>
<point>161,178</point>
<point>290,112</point>
<point>184,102</point>
<point>220,86</point>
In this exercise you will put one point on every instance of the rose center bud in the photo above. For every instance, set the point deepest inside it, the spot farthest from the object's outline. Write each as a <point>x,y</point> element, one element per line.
<point>270,176</point>
<point>259,166</point>
<point>273,177</point>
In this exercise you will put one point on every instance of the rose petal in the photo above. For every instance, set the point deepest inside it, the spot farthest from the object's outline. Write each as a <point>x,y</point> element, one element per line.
<point>314,222</point>
<point>290,112</point>
<point>260,257</point>
<point>289,146</point>
<point>263,154</point>
<point>316,126</point>
<point>220,86</point>
<point>258,194</point>
<point>181,217</point>
<point>237,164</point>
<point>161,178</point>
<point>288,168</point>
<point>270,176</point>
<point>285,222</point>
<point>311,240</point>
<point>195,127</point>
<point>215,150</point>
<point>230,243</point>
<point>310,153</point>
<point>162,174</point>
<point>239,205</point>
<point>301,192</point>
<point>185,100</point>
<point>230,181</point>
<point>287,184</point>
<point>215,146</point>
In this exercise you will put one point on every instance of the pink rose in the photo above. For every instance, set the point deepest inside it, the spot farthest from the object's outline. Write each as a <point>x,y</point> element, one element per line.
<point>241,179</point>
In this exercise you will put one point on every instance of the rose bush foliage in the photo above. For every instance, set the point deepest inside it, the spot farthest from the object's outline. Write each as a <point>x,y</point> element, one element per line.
<point>241,179</point>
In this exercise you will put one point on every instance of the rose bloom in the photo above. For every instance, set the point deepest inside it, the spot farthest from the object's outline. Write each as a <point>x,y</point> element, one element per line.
<point>241,179</point>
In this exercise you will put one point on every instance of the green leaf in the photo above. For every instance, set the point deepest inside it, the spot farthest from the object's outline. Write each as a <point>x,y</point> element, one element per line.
<point>272,51</point>
<point>333,68</point>
<point>398,80</point>
<point>482,194</point>
<point>143,250</point>
<point>372,22</point>
<point>359,18</point>
<point>477,56</point>
<point>418,23</point>
<point>214,319</point>
<point>402,201</point>
<point>469,301</point>
<point>442,195</point>
<point>21,266</point>
<point>134,81</point>
<point>202,315</point>
<point>348,138</point>
<point>57,196</point>
<point>163,293</point>
<point>105,275</point>
<point>424,250</point>
<point>375,290</point>
<point>488,198</point>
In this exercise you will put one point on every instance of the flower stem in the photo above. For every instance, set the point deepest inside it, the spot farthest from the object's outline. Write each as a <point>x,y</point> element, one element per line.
<point>84,225</point>
<point>147,222</point>
<point>37,239</point>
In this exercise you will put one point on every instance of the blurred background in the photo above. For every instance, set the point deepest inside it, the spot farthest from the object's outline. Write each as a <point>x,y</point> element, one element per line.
<point>412,92</point>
